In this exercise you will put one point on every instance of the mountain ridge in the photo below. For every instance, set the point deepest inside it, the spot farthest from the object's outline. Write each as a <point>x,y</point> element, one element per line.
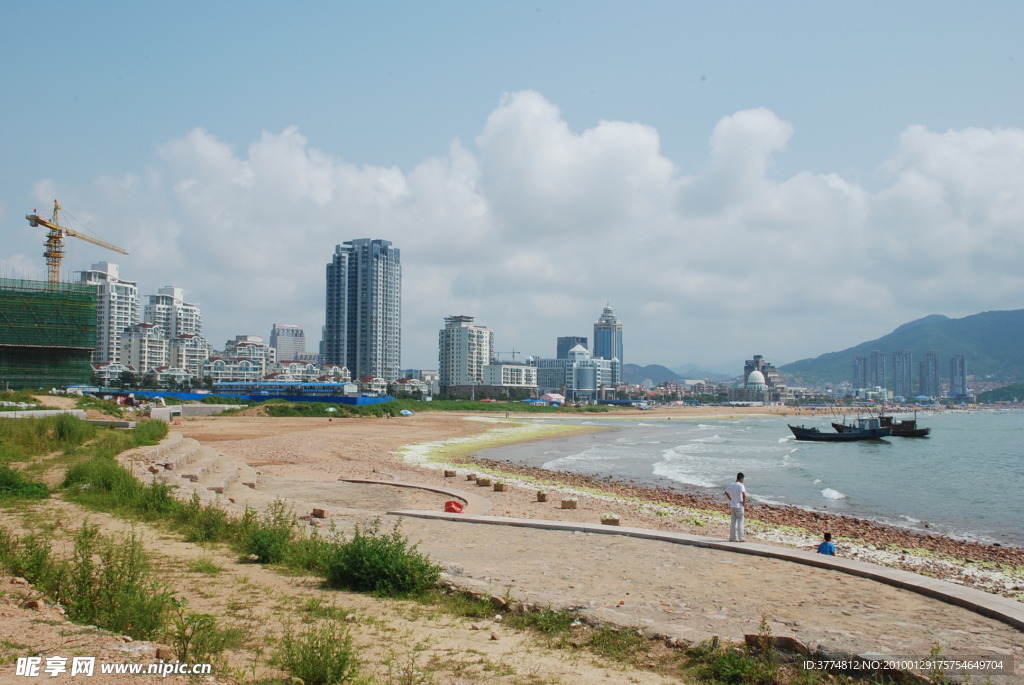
<point>985,339</point>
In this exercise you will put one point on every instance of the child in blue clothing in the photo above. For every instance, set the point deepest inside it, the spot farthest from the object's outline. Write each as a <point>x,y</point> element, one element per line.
<point>827,547</point>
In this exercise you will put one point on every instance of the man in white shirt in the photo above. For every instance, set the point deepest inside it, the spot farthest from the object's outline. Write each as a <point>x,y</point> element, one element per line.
<point>737,496</point>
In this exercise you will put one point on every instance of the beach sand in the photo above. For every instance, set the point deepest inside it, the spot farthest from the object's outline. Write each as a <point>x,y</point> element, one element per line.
<point>682,592</point>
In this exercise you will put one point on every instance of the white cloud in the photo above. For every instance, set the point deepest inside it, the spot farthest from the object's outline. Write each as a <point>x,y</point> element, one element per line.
<point>536,226</point>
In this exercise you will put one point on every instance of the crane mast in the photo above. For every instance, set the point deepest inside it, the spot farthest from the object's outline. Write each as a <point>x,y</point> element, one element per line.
<point>54,252</point>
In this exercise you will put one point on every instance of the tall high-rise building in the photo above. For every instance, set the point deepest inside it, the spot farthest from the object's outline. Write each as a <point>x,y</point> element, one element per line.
<point>608,342</point>
<point>289,340</point>
<point>876,369</point>
<point>169,310</point>
<point>117,307</point>
<point>859,378</point>
<point>928,378</point>
<point>957,376</point>
<point>363,328</point>
<point>566,343</point>
<point>463,350</point>
<point>903,373</point>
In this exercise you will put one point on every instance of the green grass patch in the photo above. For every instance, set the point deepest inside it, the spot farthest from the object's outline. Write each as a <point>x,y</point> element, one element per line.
<point>205,566</point>
<point>282,408</point>
<point>14,486</point>
<point>108,407</point>
<point>22,439</point>
<point>18,400</point>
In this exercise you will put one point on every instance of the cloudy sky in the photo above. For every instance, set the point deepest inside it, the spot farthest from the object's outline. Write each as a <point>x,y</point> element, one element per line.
<point>785,179</point>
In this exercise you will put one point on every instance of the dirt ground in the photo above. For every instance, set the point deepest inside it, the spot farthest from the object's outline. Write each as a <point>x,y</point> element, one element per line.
<point>680,592</point>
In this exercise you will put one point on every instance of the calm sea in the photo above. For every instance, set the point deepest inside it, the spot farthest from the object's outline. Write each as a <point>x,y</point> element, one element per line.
<point>965,480</point>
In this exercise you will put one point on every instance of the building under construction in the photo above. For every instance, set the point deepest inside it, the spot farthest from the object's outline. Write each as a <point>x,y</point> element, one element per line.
<point>47,333</point>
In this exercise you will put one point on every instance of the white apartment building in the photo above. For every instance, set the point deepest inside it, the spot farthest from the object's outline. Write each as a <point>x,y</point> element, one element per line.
<point>144,347</point>
<point>188,351</point>
<point>511,375</point>
<point>168,310</point>
<point>253,348</point>
<point>117,307</point>
<point>464,349</point>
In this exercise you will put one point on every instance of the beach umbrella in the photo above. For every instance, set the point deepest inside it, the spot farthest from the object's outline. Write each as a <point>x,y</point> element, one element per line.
<point>331,409</point>
<point>406,412</point>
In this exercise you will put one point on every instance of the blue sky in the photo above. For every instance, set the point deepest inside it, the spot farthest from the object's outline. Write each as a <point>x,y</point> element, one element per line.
<point>784,179</point>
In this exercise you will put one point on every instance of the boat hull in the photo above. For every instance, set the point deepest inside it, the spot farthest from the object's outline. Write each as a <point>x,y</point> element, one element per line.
<point>848,435</point>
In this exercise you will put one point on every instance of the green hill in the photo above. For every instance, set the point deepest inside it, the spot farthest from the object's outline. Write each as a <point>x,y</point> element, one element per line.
<point>1009,393</point>
<point>990,343</point>
<point>634,373</point>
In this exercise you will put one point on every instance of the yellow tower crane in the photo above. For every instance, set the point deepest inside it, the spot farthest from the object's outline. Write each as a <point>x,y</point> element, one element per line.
<point>55,240</point>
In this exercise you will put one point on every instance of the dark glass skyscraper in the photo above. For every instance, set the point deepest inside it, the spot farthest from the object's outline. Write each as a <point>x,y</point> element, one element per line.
<point>859,379</point>
<point>957,376</point>
<point>363,329</point>
<point>929,375</point>
<point>876,369</point>
<point>566,343</point>
<point>902,373</point>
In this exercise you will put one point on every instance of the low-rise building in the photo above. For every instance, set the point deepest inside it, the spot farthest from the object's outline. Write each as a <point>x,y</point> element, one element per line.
<point>511,375</point>
<point>111,373</point>
<point>580,378</point>
<point>226,369</point>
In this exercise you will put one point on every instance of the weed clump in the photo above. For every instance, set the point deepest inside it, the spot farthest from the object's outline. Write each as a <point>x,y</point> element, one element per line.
<point>384,564</point>
<point>107,582</point>
<point>267,539</point>
<point>322,654</point>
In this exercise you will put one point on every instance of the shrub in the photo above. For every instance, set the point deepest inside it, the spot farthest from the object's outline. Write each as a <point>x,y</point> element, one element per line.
<point>384,564</point>
<point>322,654</point>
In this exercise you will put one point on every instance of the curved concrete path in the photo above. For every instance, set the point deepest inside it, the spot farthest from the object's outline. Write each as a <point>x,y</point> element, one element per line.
<point>475,503</point>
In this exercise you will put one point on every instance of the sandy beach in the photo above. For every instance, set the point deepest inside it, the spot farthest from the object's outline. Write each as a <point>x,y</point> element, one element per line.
<point>690,594</point>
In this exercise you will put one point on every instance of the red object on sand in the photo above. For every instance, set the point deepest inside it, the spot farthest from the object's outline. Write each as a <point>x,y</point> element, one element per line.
<point>453,507</point>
